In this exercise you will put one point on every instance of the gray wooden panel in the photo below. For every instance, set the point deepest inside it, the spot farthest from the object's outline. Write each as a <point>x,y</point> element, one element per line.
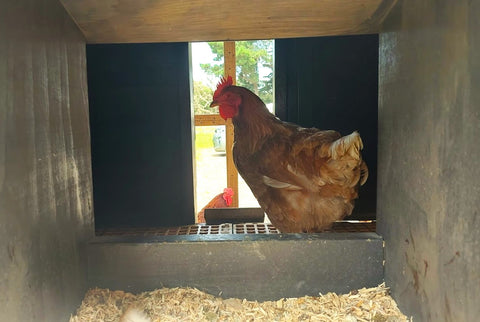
<point>254,267</point>
<point>45,176</point>
<point>429,152</point>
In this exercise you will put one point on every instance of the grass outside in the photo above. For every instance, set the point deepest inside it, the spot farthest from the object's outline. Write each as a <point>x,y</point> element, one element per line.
<point>203,137</point>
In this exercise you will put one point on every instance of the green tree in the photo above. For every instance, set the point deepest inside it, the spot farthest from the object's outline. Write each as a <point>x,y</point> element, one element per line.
<point>251,57</point>
<point>202,97</point>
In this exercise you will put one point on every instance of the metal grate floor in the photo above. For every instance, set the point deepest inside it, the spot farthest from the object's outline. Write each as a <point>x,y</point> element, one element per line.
<point>246,228</point>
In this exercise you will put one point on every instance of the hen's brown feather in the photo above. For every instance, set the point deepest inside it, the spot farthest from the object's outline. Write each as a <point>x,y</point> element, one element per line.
<point>303,178</point>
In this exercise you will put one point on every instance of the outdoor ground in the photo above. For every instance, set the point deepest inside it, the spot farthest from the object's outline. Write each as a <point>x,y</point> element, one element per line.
<point>211,175</point>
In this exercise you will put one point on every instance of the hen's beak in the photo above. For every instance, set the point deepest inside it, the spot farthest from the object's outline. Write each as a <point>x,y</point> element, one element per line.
<point>214,103</point>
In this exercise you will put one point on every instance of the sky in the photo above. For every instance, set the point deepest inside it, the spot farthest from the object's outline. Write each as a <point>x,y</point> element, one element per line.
<point>201,54</point>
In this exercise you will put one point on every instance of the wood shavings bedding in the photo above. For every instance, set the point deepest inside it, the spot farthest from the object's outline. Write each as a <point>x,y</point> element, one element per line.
<point>189,304</point>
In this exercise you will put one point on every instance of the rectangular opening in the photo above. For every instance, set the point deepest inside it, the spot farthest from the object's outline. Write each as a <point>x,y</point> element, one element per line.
<point>253,65</point>
<point>141,122</point>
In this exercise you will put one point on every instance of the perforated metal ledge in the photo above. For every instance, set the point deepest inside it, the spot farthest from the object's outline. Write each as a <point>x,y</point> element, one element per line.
<point>246,228</point>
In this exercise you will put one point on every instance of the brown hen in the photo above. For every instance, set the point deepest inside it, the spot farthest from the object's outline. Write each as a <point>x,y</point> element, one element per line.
<point>304,178</point>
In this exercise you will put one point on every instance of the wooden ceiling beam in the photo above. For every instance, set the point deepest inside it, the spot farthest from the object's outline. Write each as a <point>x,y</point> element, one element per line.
<point>134,21</point>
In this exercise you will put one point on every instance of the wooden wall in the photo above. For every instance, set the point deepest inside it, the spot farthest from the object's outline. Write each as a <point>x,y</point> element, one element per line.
<point>429,152</point>
<point>45,178</point>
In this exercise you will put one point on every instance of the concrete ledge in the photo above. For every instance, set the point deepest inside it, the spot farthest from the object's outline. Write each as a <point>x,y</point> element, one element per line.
<point>256,267</point>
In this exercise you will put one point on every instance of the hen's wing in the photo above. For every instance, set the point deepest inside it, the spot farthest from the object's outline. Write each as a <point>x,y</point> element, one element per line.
<point>291,160</point>
<point>312,159</point>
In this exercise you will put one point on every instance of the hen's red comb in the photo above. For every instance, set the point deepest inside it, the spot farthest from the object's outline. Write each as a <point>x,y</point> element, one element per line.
<point>224,82</point>
<point>228,191</point>
<point>227,195</point>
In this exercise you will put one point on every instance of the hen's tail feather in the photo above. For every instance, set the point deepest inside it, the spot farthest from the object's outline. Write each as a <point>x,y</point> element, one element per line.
<point>363,173</point>
<point>349,144</point>
<point>344,154</point>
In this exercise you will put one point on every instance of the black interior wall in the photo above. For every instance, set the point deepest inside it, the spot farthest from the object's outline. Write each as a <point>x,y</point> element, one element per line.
<point>331,83</point>
<point>140,134</point>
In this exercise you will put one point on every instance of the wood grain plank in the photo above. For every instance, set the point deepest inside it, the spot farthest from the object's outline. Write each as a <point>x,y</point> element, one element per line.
<point>117,21</point>
<point>209,120</point>
<point>46,210</point>
<point>230,70</point>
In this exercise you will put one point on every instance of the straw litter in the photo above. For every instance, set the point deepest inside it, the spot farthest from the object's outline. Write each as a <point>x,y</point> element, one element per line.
<point>189,304</point>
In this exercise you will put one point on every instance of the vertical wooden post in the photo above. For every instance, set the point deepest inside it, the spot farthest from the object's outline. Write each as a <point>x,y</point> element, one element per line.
<point>230,70</point>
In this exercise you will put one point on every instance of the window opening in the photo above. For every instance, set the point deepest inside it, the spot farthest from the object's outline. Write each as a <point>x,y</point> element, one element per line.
<point>250,63</point>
